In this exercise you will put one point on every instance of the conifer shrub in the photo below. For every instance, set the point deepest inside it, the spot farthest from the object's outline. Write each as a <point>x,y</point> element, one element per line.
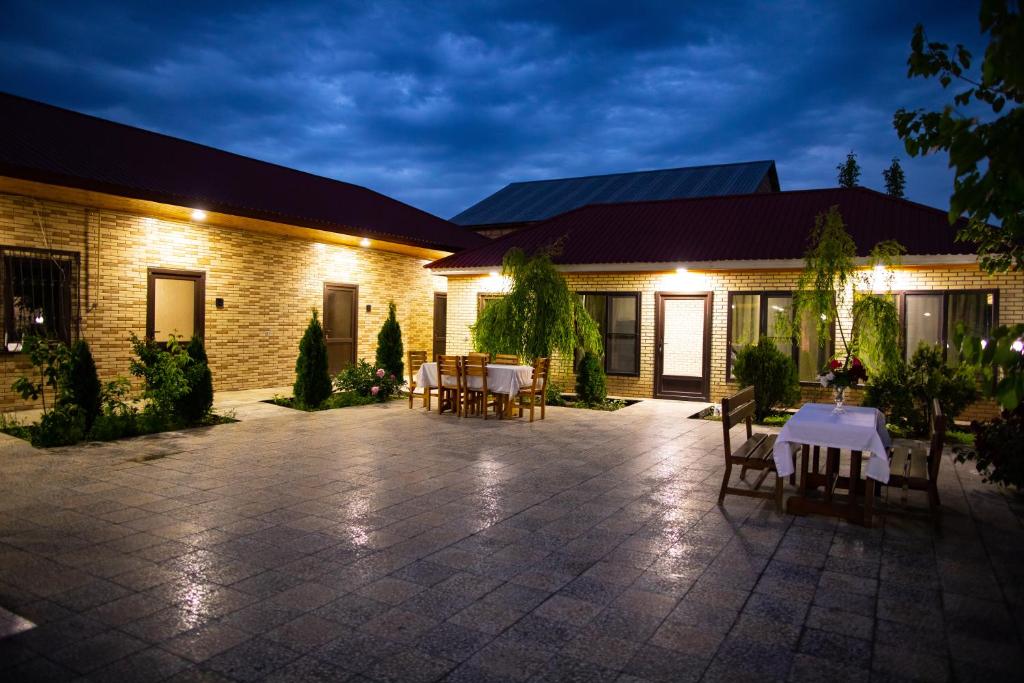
<point>312,380</point>
<point>389,345</point>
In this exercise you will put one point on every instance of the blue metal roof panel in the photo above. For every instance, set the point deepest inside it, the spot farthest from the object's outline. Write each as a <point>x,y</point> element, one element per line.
<point>537,200</point>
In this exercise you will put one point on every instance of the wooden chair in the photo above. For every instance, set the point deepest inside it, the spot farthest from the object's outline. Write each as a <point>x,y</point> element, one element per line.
<point>914,465</point>
<point>755,453</point>
<point>505,359</point>
<point>449,384</point>
<point>415,360</point>
<point>537,387</point>
<point>476,398</point>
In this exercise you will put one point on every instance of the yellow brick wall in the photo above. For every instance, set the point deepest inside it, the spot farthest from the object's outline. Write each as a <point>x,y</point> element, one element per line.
<point>463,290</point>
<point>269,284</point>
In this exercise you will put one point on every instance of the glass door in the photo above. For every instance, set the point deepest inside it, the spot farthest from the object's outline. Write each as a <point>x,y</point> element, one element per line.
<point>682,360</point>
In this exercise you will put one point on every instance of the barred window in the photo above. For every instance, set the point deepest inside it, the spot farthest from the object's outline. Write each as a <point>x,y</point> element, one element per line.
<point>39,294</point>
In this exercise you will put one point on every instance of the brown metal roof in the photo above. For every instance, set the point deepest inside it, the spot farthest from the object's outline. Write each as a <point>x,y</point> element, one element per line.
<point>48,144</point>
<point>729,228</point>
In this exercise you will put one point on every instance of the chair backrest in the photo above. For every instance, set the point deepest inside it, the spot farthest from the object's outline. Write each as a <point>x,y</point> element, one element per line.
<point>540,372</point>
<point>506,359</point>
<point>416,359</point>
<point>449,366</point>
<point>938,428</point>
<point>475,366</point>
<point>736,409</point>
<point>479,354</point>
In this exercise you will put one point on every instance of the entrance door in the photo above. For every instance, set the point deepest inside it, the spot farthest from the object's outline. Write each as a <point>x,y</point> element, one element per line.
<point>682,354</point>
<point>440,323</point>
<point>341,304</point>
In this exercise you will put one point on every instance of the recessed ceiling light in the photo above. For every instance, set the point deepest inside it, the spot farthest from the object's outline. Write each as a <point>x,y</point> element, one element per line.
<point>198,215</point>
<point>365,242</point>
<point>681,270</point>
<point>493,273</point>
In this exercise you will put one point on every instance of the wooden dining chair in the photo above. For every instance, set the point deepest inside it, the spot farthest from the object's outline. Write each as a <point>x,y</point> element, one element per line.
<point>538,386</point>
<point>449,384</point>
<point>478,355</point>
<point>505,359</point>
<point>477,398</point>
<point>755,453</point>
<point>914,465</point>
<point>415,361</point>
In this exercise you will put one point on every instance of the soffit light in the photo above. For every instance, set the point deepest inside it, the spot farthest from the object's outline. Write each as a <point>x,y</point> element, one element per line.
<point>681,270</point>
<point>198,215</point>
<point>365,242</point>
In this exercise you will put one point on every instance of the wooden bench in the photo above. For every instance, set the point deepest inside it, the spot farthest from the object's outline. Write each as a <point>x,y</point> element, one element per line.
<point>755,453</point>
<point>914,465</point>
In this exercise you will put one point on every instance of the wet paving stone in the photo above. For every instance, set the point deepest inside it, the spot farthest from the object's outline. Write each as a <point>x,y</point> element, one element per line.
<point>585,547</point>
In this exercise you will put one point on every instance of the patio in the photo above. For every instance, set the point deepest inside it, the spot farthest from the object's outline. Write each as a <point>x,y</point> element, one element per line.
<point>393,544</point>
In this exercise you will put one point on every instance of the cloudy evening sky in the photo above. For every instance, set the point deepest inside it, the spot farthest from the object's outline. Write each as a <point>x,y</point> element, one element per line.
<point>440,104</point>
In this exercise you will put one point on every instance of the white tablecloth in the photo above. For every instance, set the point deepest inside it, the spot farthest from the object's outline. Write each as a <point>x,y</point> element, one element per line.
<point>858,429</point>
<point>501,379</point>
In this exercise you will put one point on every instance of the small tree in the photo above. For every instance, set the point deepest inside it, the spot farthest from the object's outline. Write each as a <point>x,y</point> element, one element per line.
<point>984,148</point>
<point>591,387</point>
<point>81,386</point>
<point>895,180</point>
<point>830,282</point>
<point>389,345</point>
<point>772,374</point>
<point>540,314</point>
<point>197,403</point>
<point>312,380</point>
<point>849,171</point>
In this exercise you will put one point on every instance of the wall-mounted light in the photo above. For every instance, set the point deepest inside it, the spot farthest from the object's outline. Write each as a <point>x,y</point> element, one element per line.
<point>365,242</point>
<point>198,215</point>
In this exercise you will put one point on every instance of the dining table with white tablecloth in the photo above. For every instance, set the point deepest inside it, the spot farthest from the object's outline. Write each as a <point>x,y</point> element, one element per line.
<point>501,379</point>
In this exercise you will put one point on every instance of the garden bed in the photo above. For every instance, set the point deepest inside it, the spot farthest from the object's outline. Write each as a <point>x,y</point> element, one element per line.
<point>341,399</point>
<point>20,430</point>
<point>609,404</point>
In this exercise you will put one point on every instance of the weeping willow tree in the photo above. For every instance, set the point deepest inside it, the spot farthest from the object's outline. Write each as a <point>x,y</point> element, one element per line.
<point>539,315</point>
<point>831,282</point>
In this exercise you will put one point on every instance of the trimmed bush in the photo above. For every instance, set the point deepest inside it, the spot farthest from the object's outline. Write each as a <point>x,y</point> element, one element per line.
<point>591,387</point>
<point>197,402</point>
<point>312,380</point>
<point>389,345</point>
<point>81,384</point>
<point>772,374</point>
<point>61,426</point>
<point>363,379</point>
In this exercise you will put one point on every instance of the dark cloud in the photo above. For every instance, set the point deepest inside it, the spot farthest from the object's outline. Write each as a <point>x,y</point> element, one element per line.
<point>440,104</point>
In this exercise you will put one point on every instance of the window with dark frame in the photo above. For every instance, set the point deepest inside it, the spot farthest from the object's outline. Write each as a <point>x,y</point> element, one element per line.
<point>618,319</point>
<point>932,318</point>
<point>176,304</point>
<point>753,315</point>
<point>484,300</point>
<point>39,294</point>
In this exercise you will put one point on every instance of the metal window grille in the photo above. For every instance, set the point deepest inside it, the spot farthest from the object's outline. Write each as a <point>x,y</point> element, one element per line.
<point>39,293</point>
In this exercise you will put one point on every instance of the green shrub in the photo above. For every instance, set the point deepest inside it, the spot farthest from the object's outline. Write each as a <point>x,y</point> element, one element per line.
<point>591,387</point>
<point>389,345</point>
<point>81,384</point>
<point>312,380</point>
<point>363,379</point>
<point>62,426</point>
<point>772,374</point>
<point>162,368</point>
<point>110,426</point>
<point>904,391</point>
<point>196,403</point>
<point>344,399</point>
<point>998,451</point>
<point>554,393</point>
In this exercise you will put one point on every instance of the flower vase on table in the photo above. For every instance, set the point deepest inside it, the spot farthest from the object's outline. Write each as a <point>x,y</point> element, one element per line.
<point>840,376</point>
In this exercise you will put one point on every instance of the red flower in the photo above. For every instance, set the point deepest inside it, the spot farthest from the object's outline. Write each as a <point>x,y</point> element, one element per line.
<point>857,363</point>
<point>834,364</point>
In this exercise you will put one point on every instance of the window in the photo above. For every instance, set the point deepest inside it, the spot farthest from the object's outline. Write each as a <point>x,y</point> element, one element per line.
<point>40,295</point>
<point>618,319</point>
<point>753,315</point>
<point>176,305</point>
<point>484,300</point>
<point>932,318</point>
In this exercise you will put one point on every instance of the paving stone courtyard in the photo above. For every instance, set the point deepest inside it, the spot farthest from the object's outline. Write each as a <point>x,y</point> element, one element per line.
<point>384,544</point>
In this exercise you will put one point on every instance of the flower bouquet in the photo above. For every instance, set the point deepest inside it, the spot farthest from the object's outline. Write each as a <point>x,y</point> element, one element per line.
<point>840,376</point>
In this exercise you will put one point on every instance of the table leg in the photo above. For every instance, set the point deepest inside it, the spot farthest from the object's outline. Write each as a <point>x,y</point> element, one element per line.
<point>855,462</point>
<point>805,452</point>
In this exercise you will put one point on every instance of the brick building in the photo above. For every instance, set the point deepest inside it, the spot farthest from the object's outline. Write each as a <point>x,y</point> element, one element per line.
<point>675,284</point>
<point>107,230</point>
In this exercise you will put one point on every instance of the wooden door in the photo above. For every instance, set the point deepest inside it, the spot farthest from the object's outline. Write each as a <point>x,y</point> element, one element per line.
<point>341,310</point>
<point>440,323</point>
<point>682,365</point>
